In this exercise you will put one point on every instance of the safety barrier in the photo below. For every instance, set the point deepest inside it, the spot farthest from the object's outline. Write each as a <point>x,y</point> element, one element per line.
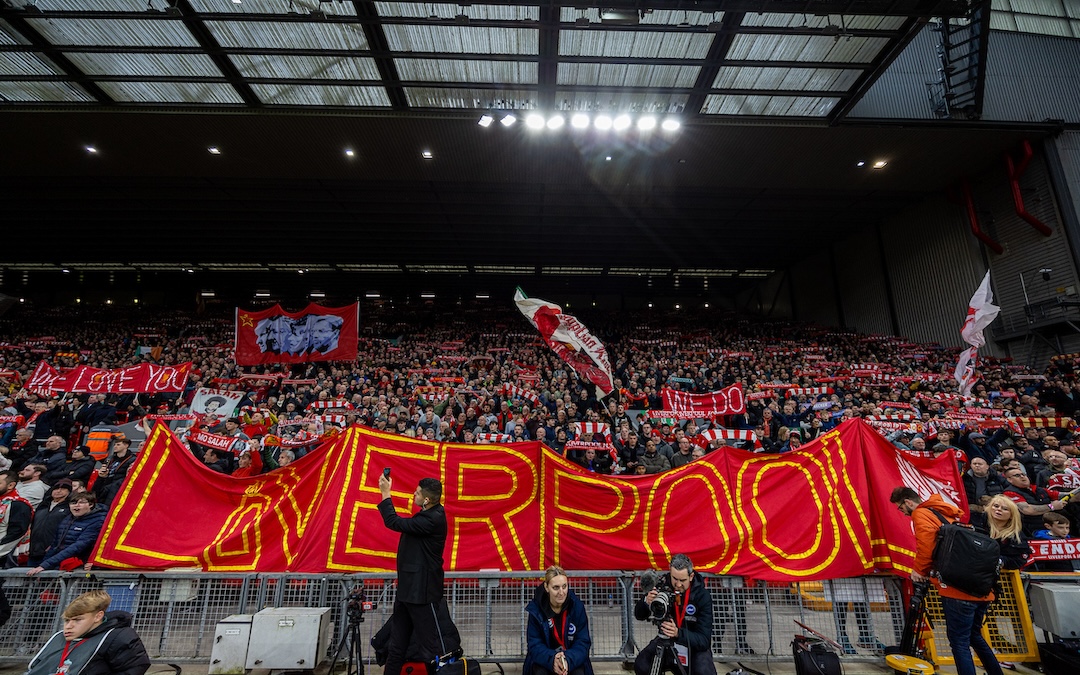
<point>1007,629</point>
<point>176,613</point>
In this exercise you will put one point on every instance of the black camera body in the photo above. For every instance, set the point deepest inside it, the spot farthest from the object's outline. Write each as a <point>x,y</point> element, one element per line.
<point>660,609</point>
<point>357,603</point>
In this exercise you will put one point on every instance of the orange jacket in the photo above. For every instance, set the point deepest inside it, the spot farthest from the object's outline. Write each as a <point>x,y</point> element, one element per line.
<point>926,526</point>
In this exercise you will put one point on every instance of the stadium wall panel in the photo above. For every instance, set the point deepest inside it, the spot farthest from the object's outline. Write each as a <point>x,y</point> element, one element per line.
<point>813,289</point>
<point>862,290</point>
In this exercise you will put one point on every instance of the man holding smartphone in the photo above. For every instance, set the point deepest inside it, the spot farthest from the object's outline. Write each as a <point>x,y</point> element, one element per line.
<point>419,571</point>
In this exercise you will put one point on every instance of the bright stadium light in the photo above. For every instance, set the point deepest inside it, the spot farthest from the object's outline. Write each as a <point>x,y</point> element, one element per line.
<point>602,122</point>
<point>647,123</point>
<point>670,124</point>
<point>621,123</point>
<point>555,122</point>
<point>580,121</point>
<point>535,121</point>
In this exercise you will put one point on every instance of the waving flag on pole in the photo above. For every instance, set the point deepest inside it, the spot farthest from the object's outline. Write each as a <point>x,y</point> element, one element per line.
<point>570,339</point>
<point>981,313</point>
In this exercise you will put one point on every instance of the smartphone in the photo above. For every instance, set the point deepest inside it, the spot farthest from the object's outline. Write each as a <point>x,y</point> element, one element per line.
<point>386,472</point>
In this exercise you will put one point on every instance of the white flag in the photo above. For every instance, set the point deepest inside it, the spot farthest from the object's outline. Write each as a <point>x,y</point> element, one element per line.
<point>981,313</point>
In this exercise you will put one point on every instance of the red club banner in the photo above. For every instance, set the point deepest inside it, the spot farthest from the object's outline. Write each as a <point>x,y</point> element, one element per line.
<point>141,379</point>
<point>521,507</point>
<point>315,333</point>
<point>727,401</point>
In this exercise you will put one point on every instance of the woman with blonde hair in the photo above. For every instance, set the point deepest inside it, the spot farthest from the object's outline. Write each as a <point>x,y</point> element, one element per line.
<point>558,630</point>
<point>1007,527</point>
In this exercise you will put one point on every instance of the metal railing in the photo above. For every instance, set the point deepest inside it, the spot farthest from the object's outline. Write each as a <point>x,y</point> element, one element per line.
<point>176,613</point>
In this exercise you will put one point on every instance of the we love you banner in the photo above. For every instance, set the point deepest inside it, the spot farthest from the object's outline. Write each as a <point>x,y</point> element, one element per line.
<point>819,512</point>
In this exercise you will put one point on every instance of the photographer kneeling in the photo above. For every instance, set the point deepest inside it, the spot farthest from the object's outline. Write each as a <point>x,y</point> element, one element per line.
<point>559,639</point>
<point>681,607</point>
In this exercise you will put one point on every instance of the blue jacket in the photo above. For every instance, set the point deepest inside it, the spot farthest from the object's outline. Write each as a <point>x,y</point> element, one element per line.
<point>542,644</point>
<point>75,537</point>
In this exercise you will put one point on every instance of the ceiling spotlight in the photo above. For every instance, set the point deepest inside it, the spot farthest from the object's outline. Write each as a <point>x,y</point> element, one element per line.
<point>207,294</point>
<point>880,164</point>
<point>677,306</point>
<point>580,121</point>
<point>91,149</point>
<point>486,120</point>
<point>427,296</point>
<point>860,163</point>
<point>621,123</point>
<point>372,294</point>
<point>670,124</point>
<point>318,294</point>
<point>650,305</point>
<point>535,121</point>
<point>646,123</point>
<point>213,150</point>
<point>555,122</point>
<point>508,120</point>
<point>66,271</point>
<point>301,270</point>
<point>608,158</point>
<point>426,154</point>
<point>350,153</point>
<point>706,305</point>
<point>483,296</point>
<point>602,122</point>
<point>190,271</point>
<point>262,294</point>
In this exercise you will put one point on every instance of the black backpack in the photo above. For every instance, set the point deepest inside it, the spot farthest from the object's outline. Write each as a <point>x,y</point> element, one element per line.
<point>966,559</point>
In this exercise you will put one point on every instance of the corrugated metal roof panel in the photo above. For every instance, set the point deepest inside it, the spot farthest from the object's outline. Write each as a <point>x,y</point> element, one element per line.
<point>288,35</point>
<point>170,92</point>
<point>1044,25</point>
<point>307,67</point>
<point>123,32</point>
<point>86,5</point>
<point>288,94</point>
<point>448,11</point>
<point>806,48</point>
<point>504,99</point>
<point>634,44</point>
<point>819,21</point>
<point>789,106</point>
<point>449,70</point>
<point>627,75</point>
<point>26,63</point>
<point>273,7</point>
<point>462,39</point>
<point>195,65</point>
<point>620,101</point>
<point>42,91</point>
<point>800,79</point>
<point>8,35</point>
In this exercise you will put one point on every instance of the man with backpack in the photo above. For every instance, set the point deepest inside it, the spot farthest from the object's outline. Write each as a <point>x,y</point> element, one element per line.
<point>964,612</point>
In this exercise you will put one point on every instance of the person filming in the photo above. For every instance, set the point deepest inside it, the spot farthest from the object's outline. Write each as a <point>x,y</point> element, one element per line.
<point>682,608</point>
<point>558,631</point>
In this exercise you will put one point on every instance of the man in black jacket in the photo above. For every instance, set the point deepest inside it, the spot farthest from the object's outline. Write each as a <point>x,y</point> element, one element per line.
<point>419,569</point>
<point>688,626</point>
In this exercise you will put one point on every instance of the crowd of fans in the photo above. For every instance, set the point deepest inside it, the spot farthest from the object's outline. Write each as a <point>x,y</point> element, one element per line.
<point>477,376</point>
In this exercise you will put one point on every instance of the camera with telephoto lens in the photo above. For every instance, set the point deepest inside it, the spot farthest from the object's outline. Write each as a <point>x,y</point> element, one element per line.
<point>661,605</point>
<point>357,604</point>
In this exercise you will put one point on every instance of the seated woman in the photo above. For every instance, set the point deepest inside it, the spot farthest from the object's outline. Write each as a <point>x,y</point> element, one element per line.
<point>558,631</point>
<point>93,642</point>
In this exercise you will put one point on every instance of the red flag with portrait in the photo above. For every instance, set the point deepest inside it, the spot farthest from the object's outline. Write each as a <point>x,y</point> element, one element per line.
<point>315,333</point>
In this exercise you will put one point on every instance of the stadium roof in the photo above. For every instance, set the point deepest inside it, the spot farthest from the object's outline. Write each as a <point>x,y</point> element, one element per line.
<point>264,134</point>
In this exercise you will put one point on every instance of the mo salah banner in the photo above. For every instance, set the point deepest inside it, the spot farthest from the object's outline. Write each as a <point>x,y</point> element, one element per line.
<point>315,333</point>
<point>519,507</point>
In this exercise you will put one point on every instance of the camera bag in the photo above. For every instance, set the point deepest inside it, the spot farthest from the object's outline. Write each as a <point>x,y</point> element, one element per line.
<point>814,658</point>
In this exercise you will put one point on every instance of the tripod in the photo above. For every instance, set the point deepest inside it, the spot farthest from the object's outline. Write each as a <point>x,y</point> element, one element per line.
<point>350,641</point>
<point>665,646</point>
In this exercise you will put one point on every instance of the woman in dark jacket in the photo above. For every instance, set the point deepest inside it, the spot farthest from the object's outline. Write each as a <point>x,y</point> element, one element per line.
<point>93,642</point>
<point>558,631</point>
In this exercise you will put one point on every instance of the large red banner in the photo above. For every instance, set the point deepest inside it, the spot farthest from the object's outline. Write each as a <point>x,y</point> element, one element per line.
<point>819,512</point>
<point>315,333</point>
<point>141,379</point>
